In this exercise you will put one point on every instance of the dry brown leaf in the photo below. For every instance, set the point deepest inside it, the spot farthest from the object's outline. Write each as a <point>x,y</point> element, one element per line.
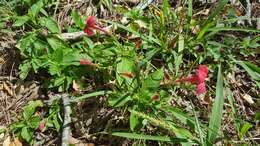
<point>7,141</point>
<point>248,98</point>
<point>8,89</point>
<point>77,142</point>
<point>16,142</point>
<point>75,86</point>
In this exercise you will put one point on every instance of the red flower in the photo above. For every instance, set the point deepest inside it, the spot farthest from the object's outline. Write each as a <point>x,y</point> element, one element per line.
<point>198,79</point>
<point>91,24</point>
<point>41,125</point>
<point>87,62</point>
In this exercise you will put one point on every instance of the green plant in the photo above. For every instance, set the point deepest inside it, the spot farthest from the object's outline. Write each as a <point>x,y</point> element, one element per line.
<point>29,122</point>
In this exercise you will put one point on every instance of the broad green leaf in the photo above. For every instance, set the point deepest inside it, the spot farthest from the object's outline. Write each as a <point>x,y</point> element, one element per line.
<point>35,9</point>
<point>152,82</point>
<point>57,56</point>
<point>126,65</point>
<point>24,68</point>
<point>26,134</point>
<point>90,43</point>
<point>50,24</point>
<point>34,122</point>
<point>54,69</point>
<point>57,43</point>
<point>59,81</point>
<point>133,121</point>
<point>77,19</point>
<point>244,130</point>
<point>20,20</point>
<point>216,114</point>
<point>119,99</point>
<point>29,110</point>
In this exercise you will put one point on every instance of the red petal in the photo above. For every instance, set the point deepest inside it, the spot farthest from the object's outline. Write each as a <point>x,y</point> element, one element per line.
<point>91,21</point>
<point>193,79</point>
<point>87,62</point>
<point>42,125</point>
<point>201,88</point>
<point>202,73</point>
<point>89,31</point>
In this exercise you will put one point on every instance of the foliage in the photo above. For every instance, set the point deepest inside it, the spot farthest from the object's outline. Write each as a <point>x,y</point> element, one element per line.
<point>142,60</point>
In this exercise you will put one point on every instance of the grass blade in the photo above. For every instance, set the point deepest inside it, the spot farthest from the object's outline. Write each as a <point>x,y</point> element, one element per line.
<point>98,93</point>
<point>141,136</point>
<point>216,116</point>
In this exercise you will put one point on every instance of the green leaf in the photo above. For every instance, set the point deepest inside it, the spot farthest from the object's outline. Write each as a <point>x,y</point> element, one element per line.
<point>20,20</point>
<point>125,66</point>
<point>253,70</point>
<point>179,132</point>
<point>54,69</point>
<point>24,68</point>
<point>29,110</point>
<point>77,19</point>
<point>257,116</point>
<point>184,118</point>
<point>216,115</point>
<point>35,9</point>
<point>34,122</point>
<point>244,130</point>
<point>217,10</point>
<point>93,94</point>
<point>57,43</point>
<point>59,81</point>
<point>90,43</point>
<point>50,24</point>
<point>119,99</point>
<point>141,136</point>
<point>152,82</point>
<point>56,122</point>
<point>26,134</point>
<point>133,121</point>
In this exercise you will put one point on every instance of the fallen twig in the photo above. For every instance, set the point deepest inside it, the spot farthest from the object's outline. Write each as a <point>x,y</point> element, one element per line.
<point>66,133</point>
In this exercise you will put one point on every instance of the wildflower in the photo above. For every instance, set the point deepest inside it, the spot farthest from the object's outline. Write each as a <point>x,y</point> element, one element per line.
<point>91,24</point>
<point>41,125</point>
<point>198,79</point>
<point>87,62</point>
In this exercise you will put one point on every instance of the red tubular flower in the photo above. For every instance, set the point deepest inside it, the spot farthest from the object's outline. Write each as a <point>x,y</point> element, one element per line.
<point>91,24</point>
<point>87,62</point>
<point>198,79</point>
<point>41,125</point>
